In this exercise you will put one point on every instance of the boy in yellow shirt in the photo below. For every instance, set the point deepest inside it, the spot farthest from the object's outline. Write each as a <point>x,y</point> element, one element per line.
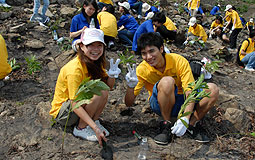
<point>5,68</point>
<point>166,76</point>
<point>250,25</point>
<point>247,52</point>
<point>196,31</point>
<point>108,24</point>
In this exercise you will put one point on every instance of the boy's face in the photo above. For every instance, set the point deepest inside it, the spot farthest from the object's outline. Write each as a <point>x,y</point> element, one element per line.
<point>152,55</point>
<point>156,23</point>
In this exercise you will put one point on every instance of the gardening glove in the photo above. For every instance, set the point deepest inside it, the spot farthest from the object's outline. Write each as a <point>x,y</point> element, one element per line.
<point>131,77</point>
<point>201,42</point>
<point>191,42</point>
<point>179,128</point>
<point>233,27</point>
<point>196,9</point>
<point>114,71</point>
<point>210,36</point>
<point>224,28</point>
<point>185,43</point>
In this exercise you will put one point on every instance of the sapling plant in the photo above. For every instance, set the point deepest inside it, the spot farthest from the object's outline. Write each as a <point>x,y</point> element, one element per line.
<point>212,66</point>
<point>86,90</point>
<point>13,64</point>
<point>197,93</point>
<point>126,57</point>
<point>33,65</point>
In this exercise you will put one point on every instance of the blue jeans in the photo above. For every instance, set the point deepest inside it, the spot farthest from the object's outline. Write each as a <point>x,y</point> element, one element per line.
<point>37,6</point>
<point>249,59</point>
<point>138,7</point>
<point>126,36</point>
<point>179,100</point>
<point>2,1</point>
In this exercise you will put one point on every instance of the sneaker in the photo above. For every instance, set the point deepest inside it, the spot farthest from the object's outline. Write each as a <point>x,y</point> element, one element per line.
<point>198,133</point>
<point>5,5</point>
<point>139,16</point>
<point>85,133</point>
<point>45,19</point>
<point>102,128</point>
<point>249,69</point>
<point>36,18</point>
<point>165,136</point>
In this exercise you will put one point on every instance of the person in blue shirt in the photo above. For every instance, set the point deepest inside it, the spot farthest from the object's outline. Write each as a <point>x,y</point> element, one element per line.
<point>145,27</point>
<point>127,24</point>
<point>82,21</point>
<point>146,8</point>
<point>215,10</point>
<point>137,6</point>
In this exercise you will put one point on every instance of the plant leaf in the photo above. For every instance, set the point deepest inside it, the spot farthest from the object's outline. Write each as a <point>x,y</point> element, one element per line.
<point>78,104</point>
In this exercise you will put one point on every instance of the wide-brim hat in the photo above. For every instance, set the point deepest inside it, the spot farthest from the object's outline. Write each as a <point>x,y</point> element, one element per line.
<point>228,7</point>
<point>145,7</point>
<point>192,21</point>
<point>125,5</point>
<point>90,35</point>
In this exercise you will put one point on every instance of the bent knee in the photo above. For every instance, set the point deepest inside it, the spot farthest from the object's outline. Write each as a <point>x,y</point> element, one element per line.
<point>104,94</point>
<point>214,89</point>
<point>166,83</point>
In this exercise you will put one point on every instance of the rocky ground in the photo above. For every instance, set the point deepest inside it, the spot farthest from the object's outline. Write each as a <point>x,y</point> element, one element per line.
<point>26,131</point>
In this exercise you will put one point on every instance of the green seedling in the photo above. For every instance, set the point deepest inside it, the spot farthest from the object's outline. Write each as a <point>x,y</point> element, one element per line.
<point>5,9</point>
<point>13,64</point>
<point>212,66</point>
<point>33,65</point>
<point>87,89</point>
<point>126,57</point>
<point>194,96</point>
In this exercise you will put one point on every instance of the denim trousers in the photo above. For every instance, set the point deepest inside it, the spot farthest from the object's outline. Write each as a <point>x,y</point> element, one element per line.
<point>37,6</point>
<point>249,60</point>
<point>138,6</point>
<point>2,1</point>
<point>126,37</point>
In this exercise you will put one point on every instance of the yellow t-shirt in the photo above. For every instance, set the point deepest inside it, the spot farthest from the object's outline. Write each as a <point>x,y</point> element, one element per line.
<point>228,16</point>
<point>69,79</point>
<point>169,24</point>
<point>248,50</point>
<point>250,24</point>
<point>108,23</point>
<point>106,1</point>
<point>176,66</point>
<point>5,68</point>
<point>214,24</point>
<point>198,31</point>
<point>194,4</point>
<point>234,16</point>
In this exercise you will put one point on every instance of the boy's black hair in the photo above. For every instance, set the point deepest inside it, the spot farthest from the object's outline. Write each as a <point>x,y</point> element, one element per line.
<point>125,10</point>
<point>252,33</point>
<point>149,39</point>
<point>159,17</point>
<point>110,8</point>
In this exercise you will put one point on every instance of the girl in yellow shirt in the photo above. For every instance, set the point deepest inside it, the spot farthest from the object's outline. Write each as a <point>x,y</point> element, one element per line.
<point>90,62</point>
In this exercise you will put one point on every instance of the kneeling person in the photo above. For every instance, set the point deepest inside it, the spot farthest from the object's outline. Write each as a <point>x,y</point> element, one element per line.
<point>165,76</point>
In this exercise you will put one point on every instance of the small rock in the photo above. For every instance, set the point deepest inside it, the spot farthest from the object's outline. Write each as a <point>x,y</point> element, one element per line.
<point>113,101</point>
<point>67,10</point>
<point>237,117</point>
<point>19,28</point>
<point>5,15</point>
<point>34,44</point>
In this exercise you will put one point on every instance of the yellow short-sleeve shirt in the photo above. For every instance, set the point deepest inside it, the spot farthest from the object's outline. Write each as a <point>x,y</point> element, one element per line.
<point>244,47</point>
<point>108,23</point>
<point>228,16</point>
<point>69,79</point>
<point>198,31</point>
<point>106,1</point>
<point>176,66</point>
<point>5,68</point>
<point>234,16</point>
<point>169,24</point>
<point>249,24</point>
<point>195,4</point>
<point>214,24</point>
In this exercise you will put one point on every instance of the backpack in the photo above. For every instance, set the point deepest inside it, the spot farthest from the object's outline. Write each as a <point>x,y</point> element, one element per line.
<point>195,66</point>
<point>238,61</point>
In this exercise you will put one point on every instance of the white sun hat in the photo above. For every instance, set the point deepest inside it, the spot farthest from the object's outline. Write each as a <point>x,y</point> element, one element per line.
<point>125,5</point>
<point>149,15</point>
<point>145,7</point>
<point>192,21</point>
<point>228,7</point>
<point>90,35</point>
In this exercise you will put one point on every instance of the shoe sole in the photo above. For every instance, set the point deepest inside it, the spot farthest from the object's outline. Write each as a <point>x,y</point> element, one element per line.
<point>162,143</point>
<point>202,141</point>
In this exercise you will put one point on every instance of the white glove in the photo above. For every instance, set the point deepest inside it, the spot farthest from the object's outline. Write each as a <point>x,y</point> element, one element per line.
<point>131,77</point>
<point>114,71</point>
<point>230,32</point>
<point>179,128</point>
<point>191,42</point>
<point>210,36</point>
<point>185,43</point>
<point>233,27</point>
<point>224,28</point>
<point>196,9</point>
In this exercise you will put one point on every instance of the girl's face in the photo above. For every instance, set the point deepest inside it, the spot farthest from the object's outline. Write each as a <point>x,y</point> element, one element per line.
<point>93,51</point>
<point>90,10</point>
<point>121,9</point>
<point>217,21</point>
